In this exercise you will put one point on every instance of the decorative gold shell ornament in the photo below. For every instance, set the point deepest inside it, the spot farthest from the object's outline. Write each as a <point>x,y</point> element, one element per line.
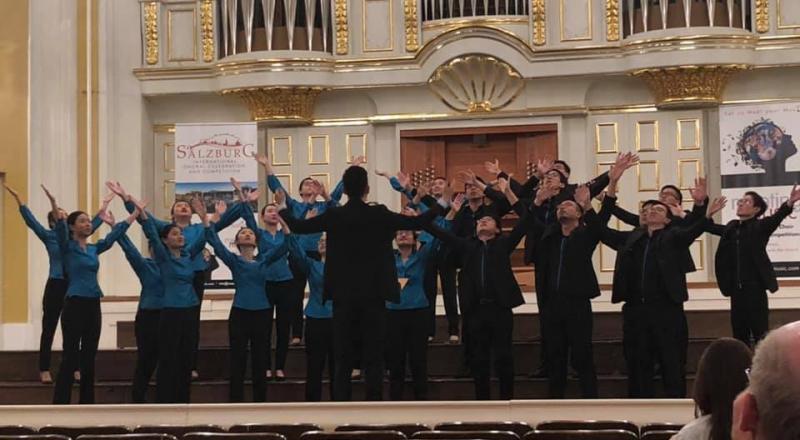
<point>476,83</point>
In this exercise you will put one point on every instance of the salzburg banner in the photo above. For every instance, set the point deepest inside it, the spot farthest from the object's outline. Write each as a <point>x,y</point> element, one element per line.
<point>206,157</point>
<point>758,153</point>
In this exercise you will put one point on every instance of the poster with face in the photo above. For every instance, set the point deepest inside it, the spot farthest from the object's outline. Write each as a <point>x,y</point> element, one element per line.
<point>758,154</point>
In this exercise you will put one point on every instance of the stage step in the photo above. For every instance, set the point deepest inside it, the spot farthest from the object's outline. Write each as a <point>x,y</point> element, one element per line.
<point>703,324</point>
<point>33,393</point>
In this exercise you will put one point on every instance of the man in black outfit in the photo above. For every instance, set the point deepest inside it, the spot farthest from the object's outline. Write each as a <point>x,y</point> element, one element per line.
<point>654,289</point>
<point>360,275</point>
<point>566,282</point>
<point>488,292</point>
<point>744,270</point>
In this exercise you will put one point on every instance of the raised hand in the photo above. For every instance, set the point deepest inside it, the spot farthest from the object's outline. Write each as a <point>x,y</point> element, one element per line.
<point>542,167</point>
<point>237,188</point>
<point>458,202</point>
<point>252,196</point>
<point>320,189</point>
<point>676,210</point>
<point>358,160</point>
<point>493,167</point>
<point>311,213</point>
<point>447,193</point>
<point>382,174</point>
<point>107,217</point>
<point>137,212</point>
<point>624,161</point>
<point>583,197</point>
<point>263,160</point>
<point>469,177</point>
<point>700,191</point>
<point>424,189</point>
<point>716,206</point>
<point>794,196</point>
<point>116,188</point>
<point>49,195</point>
<point>409,212</point>
<point>544,194</point>
<point>141,206</point>
<point>14,194</point>
<point>404,179</point>
<point>502,184</point>
<point>198,206</point>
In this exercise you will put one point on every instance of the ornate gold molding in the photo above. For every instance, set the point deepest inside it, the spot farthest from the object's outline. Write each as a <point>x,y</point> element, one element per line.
<point>207,29</point>
<point>476,83</point>
<point>539,22</point>
<point>151,32</point>
<point>762,16</point>
<point>340,15</point>
<point>412,34</point>
<point>292,104</point>
<point>688,86</point>
<point>612,20</point>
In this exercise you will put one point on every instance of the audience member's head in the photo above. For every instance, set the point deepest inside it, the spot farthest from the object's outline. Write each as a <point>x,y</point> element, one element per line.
<point>356,182</point>
<point>769,408</point>
<point>721,376</point>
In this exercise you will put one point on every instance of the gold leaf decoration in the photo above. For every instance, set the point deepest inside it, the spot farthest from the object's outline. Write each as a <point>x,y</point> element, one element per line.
<point>207,29</point>
<point>688,86</point>
<point>279,104</point>
<point>476,83</point>
<point>151,32</point>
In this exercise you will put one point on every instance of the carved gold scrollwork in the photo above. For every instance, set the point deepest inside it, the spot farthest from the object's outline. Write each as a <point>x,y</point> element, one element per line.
<point>207,29</point>
<point>476,83</point>
<point>412,33</point>
<point>688,86</point>
<point>276,104</point>
<point>151,32</point>
<point>539,22</point>
<point>340,17</point>
<point>612,20</point>
<point>762,16</point>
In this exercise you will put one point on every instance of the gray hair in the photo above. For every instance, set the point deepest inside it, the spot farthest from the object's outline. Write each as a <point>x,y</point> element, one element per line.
<point>776,389</point>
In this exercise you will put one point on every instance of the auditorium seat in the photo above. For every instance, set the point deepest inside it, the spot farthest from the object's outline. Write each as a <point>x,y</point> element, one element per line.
<point>33,437</point>
<point>581,434</point>
<point>292,431</point>
<point>408,429</point>
<point>519,428</point>
<point>660,427</point>
<point>574,425</point>
<point>465,435</point>
<point>354,435</point>
<point>176,430</point>
<point>149,436</point>
<point>16,430</point>
<point>233,436</point>
<point>74,432</point>
<point>658,435</point>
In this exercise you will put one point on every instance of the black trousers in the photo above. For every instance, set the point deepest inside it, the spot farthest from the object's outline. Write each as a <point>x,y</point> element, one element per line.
<point>80,326</point>
<point>407,341</point>
<point>146,329</point>
<point>284,301</point>
<point>655,333</point>
<point>319,350</point>
<point>199,284</point>
<point>294,304</point>
<point>750,314</point>
<point>366,320</point>
<point>442,267</point>
<point>52,302</point>
<point>249,328</point>
<point>177,331</point>
<point>568,330</point>
<point>490,330</point>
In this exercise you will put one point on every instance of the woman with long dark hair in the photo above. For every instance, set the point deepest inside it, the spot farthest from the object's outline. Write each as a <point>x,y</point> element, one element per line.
<point>56,287</point>
<point>81,319</point>
<point>721,376</point>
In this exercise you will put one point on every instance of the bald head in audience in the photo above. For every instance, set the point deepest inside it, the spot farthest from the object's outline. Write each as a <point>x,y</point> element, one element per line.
<point>769,409</point>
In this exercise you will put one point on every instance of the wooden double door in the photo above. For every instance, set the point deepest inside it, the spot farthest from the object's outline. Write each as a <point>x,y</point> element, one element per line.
<point>446,152</point>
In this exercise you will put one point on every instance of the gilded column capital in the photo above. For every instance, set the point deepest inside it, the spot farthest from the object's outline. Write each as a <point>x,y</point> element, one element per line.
<point>411,26</point>
<point>538,13</point>
<point>762,16</point>
<point>279,104</point>
<point>207,29</point>
<point>342,33</point>
<point>150,15</point>
<point>612,20</point>
<point>688,86</point>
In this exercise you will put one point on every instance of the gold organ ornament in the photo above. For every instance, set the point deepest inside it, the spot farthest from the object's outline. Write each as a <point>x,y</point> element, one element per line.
<point>762,16</point>
<point>476,83</point>
<point>539,22</point>
<point>279,104</point>
<point>612,20</point>
<point>340,16</point>
<point>207,29</point>
<point>688,86</point>
<point>151,32</point>
<point>412,32</point>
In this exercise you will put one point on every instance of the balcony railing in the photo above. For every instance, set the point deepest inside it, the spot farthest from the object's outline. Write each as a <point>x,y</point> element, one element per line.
<point>250,25</point>
<point>650,15</point>
<point>448,9</point>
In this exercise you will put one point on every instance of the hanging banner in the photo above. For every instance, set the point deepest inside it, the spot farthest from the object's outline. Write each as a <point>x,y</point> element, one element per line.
<point>758,153</point>
<point>206,157</point>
